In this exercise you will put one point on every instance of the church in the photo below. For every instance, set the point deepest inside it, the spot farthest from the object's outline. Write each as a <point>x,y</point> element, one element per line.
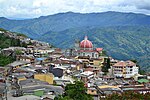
<point>86,48</point>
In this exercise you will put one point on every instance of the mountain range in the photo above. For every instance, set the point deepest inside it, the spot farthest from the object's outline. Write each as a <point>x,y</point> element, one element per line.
<point>122,35</point>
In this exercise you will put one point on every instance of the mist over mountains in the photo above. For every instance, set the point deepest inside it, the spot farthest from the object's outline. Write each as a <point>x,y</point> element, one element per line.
<point>122,35</point>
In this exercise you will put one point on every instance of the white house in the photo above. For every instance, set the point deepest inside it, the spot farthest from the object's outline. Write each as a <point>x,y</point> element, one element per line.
<point>126,69</point>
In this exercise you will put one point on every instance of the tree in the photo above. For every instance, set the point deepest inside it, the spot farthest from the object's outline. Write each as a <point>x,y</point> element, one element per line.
<point>6,41</point>
<point>20,34</point>
<point>23,44</point>
<point>104,53</point>
<point>18,52</point>
<point>75,91</point>
<point>133,60</point>
<point>4,60</point>
<point>142,72</point>
<point>106,65</point>
<point>18,42</point>
<point>30,43</point>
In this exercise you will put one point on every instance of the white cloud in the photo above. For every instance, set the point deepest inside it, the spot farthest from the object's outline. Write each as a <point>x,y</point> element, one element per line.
<point>36,8</point>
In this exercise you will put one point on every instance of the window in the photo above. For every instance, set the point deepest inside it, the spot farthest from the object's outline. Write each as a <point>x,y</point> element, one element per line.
<point>96,55</point>
<point>92,54</point>
<point>92,91</point>
<point>78,53</point>
<point>83,54</point>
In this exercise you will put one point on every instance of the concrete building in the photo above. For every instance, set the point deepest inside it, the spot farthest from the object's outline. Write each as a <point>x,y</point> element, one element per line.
<point>125,69</point>
<point>45,77</point>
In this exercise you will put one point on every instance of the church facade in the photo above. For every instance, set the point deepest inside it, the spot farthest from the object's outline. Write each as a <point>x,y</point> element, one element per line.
<point>86,48</point>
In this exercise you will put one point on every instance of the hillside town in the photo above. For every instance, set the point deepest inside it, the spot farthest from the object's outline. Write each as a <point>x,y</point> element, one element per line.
<point>41,71</point>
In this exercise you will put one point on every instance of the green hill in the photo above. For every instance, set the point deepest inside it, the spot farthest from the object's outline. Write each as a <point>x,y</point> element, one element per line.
<point>63,21</point>
<point>123,35</point>
<point>121,42</point>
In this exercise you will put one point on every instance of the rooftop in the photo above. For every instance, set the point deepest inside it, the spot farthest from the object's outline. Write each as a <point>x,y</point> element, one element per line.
<point>124,63</point>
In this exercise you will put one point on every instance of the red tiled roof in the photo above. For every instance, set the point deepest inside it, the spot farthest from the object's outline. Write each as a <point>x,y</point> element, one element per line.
<point>99,49</point>
<point>120,63</point>
<point>86,43</point>
<point>124,63</point>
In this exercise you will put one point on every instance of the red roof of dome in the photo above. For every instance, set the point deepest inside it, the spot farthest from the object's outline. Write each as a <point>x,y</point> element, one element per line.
<point>86,43</point>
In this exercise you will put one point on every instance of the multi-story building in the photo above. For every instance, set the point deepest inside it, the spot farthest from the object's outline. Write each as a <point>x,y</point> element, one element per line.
<point>125,69</point>
<point>85,48</point>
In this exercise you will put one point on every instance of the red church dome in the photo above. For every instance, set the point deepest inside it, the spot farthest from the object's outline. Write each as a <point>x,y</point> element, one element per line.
<point>86,43</point>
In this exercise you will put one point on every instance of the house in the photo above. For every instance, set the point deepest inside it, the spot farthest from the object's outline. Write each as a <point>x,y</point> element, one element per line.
<point>108,90</point>
<point>58,71</point>
<point>93,91</point>
<point>11,50</point>
<point>47,77</point>
<point>113,61</point>
<point>29,58</point>
<point>35,86</point>
<point>17,64</point>
<point>136,88</point>
<point>86,76</point>
<point>96,61</point>
<point>92,68</point>
<point>138,77</point>
<point>62,81</point>
<point>125,69</point>
<point>3,71</point>
<point>3,91</point>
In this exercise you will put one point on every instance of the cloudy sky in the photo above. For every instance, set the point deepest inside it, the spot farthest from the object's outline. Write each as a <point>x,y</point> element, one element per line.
<point>36,8</point>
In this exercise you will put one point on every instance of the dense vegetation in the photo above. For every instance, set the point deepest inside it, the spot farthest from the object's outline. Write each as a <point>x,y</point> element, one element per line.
<point>6,41</point>
<point>75,91</point>
<point>4,60</point>
<point>122,35</point>
<point>20,34</point>
<point>128,96</point>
